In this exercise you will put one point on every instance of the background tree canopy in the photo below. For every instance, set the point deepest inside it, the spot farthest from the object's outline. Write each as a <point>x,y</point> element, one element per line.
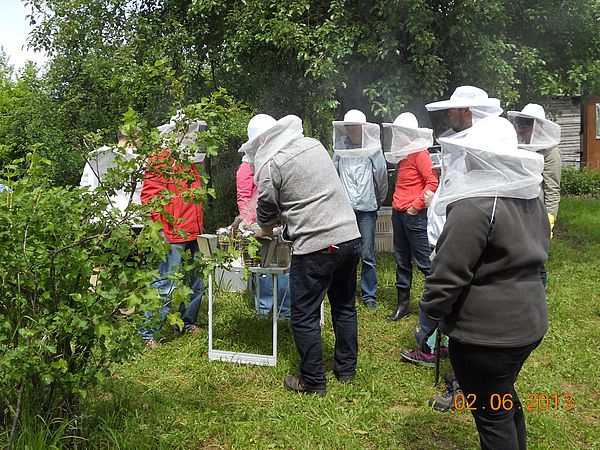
<point>314,59</point>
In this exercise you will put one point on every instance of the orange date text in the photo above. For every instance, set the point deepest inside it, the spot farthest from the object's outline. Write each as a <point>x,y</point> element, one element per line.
<point>504,402</point>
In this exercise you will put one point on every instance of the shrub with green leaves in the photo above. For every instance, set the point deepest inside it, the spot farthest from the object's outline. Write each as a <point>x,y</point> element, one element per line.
<point>581,183</point>
<point>72,293</point>
<point>75,279</point>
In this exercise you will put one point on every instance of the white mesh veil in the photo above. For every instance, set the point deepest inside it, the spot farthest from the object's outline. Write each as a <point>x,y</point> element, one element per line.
<point>471,97</point>
<point>485,162</point>
<point>405,138</point>
<point>534,131</point>
<point>285,131</point>
<point>354,136</point>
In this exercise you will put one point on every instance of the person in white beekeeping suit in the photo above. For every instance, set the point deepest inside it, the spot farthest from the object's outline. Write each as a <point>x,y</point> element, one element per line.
<point>538,134</point>
<point>99,161</point>
<point>359,161</point>
<point>465,107</point>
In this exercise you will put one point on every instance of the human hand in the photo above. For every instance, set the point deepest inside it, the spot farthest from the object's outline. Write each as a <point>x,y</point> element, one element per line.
<point>264,232</point>
<point>428,196</point>
<point>412,211</point>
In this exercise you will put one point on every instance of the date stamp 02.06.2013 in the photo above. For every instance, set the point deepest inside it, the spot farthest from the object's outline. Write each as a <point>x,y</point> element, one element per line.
<point>504,402</point>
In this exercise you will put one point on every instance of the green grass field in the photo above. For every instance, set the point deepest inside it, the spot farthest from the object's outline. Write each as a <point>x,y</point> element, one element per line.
<point>173,397</point>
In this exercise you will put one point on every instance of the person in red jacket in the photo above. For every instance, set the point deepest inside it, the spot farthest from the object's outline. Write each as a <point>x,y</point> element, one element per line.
<point>181,225</point>
<point>409,215</point>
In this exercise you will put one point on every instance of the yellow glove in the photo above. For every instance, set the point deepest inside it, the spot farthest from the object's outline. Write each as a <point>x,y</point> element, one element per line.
<point>552,220</point>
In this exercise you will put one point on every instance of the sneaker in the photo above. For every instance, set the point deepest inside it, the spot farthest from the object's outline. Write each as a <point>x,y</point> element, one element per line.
<point>371,304</point>
<point>446,401</point>
<point>444,353</point>
<point>418,357</point>
<point>293,383</point>
<point>152,344</point>
<point>192,329</point>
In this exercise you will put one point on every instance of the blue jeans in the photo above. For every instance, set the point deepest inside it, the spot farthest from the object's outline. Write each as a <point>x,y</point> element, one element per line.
<point>410,241</point>
<point>170,266</point>
<point>368,278</point>
<point>265,288</point>
<point>312,276</point>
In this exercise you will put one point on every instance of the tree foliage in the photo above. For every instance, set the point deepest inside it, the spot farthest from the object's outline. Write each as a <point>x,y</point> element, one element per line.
<point>313,58</point>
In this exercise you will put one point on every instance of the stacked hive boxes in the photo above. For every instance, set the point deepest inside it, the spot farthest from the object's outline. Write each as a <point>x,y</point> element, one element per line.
<point>384,241</point>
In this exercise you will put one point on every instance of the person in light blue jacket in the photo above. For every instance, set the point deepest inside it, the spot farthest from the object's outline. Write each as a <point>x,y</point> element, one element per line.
<point>359,161</point>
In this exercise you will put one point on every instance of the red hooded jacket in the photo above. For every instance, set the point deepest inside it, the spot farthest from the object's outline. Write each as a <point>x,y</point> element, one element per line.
<point>187,221</point>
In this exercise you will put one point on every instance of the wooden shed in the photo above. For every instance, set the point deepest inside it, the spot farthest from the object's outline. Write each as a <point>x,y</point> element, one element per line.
<point>566,111</point>
<point>591,133</point>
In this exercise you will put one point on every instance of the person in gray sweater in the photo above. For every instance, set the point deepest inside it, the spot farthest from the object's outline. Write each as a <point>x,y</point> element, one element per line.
<point>298,185</point>
<point>484,286</point>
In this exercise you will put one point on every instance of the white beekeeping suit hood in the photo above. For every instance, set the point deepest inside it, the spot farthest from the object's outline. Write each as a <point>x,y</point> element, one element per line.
<point>406,137</point>
<point>471,97</point>
<point>354,136</point>
<point>184,139</point>
<point>534,131</point>
<point>256,127</point>
<point>486,162</point>
<point>270,141</point>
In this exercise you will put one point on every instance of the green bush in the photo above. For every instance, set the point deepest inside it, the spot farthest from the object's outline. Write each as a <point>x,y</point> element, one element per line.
<point>60,332</point>
<point>75,279</point>
<point>580,183</point>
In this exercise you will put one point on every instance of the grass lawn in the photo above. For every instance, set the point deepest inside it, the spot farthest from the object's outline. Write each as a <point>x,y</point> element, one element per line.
<point>173,397</point>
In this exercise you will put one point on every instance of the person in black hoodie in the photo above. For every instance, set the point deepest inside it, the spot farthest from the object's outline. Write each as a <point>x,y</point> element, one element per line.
<point>484,286</point>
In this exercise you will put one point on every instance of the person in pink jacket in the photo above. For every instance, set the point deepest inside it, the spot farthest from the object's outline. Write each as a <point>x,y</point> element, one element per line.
<point>247,196</point>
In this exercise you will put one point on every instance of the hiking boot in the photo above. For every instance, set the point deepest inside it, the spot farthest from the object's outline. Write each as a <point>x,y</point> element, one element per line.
<point>293,383</point>
<point>192,329</point>
<point>418,357</point>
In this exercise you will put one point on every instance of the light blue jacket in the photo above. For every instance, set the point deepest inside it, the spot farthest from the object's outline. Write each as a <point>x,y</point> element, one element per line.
<point>364,179</point>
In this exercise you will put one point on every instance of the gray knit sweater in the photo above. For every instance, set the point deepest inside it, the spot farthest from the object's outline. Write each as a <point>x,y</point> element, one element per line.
<point>300,186</point>
<point>485,283</point>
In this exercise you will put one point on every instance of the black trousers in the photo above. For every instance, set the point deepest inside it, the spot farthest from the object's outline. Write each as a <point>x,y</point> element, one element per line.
<point>311,277</point>
<point>486,372</point>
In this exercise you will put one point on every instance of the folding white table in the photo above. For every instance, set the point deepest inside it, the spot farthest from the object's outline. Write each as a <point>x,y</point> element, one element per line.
<point>239,357</point>
<point>250,358</point>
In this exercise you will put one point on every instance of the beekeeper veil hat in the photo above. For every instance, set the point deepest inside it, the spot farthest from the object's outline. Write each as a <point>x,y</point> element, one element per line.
<point>188,132</point>
<point>405,137</point>
<point>534,131</point>
<point>471,97</point>
<point>257,126</point>
<point>486,162</point>
<point>354,136</point>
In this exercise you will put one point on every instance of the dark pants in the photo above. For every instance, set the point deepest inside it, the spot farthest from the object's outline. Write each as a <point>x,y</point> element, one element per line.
<point>486,371</point>
<point>410,241</point>
<point>311,277</point>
